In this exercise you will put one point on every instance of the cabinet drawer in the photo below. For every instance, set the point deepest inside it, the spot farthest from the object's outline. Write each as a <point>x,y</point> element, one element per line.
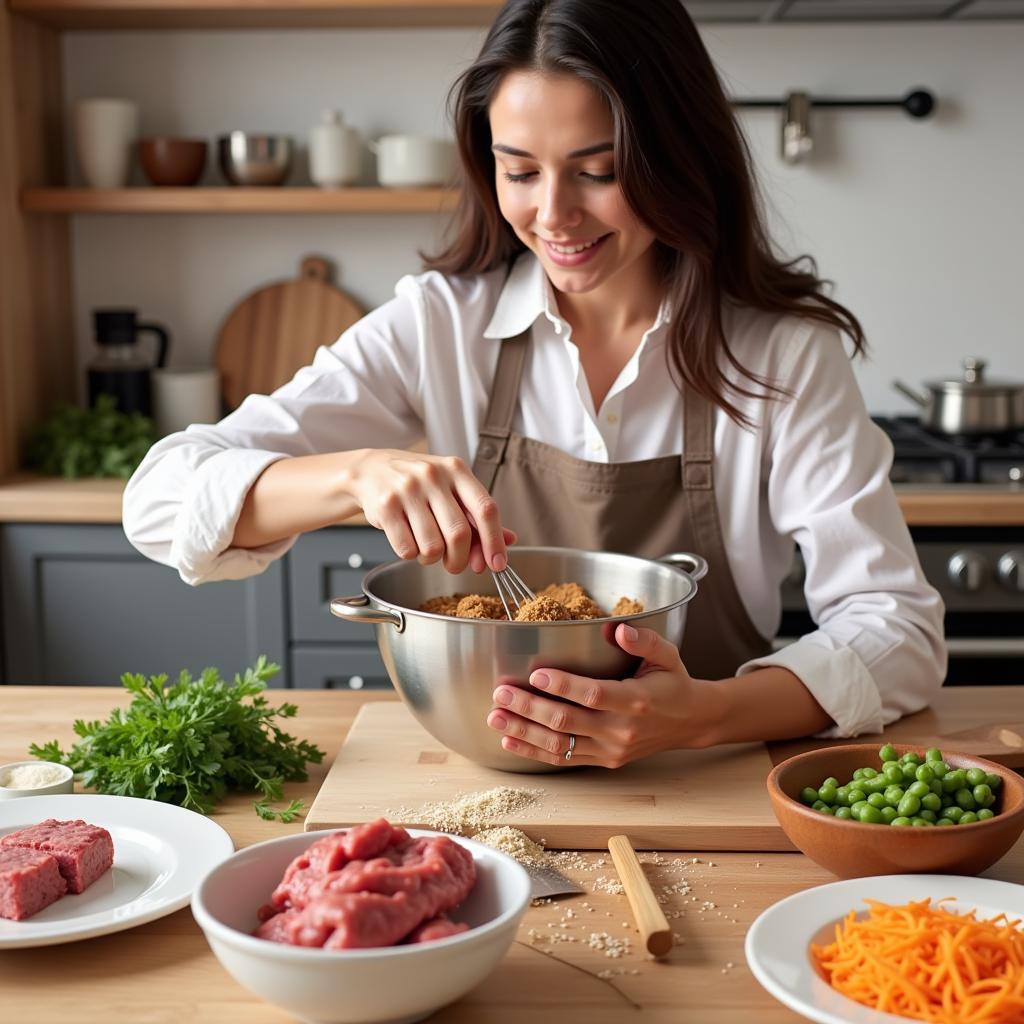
<point>326,564</point>
<point>338,667</point>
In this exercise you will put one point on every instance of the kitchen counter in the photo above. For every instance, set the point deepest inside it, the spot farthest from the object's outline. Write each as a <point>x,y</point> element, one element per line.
<point>165,972</point>
<point>30,498</point>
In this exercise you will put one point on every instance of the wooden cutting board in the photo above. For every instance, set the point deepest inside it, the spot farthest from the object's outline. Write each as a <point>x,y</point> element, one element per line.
<point>276,330</point>
<point>683,800</point>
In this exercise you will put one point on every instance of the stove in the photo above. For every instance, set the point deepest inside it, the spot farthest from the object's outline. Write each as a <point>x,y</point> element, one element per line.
<point>922,457</point>
<point>979,571</point>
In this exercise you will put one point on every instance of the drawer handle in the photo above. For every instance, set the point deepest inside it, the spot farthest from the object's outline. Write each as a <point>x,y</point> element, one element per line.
<point>358,609</point>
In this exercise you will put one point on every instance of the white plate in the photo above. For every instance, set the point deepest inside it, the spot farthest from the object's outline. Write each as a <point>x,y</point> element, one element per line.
<point>160,853</point>
<point>778,942</point>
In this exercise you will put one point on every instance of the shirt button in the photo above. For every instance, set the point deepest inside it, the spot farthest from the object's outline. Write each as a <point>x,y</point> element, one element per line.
<point>612,418</point>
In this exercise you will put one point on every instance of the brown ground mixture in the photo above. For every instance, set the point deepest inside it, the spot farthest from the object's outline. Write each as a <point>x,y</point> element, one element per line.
<point>557,602</point>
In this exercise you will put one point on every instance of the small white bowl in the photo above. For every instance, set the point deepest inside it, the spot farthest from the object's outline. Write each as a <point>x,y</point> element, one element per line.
<point>392,984</point>
<point>65,785</point>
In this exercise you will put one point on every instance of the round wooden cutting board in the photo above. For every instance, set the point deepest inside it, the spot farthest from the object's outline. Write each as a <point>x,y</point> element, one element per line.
<point>275,331</point>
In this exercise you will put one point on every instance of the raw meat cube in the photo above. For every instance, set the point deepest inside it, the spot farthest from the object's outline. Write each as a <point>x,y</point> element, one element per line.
<point>29,881</point>
<point>83,851</point>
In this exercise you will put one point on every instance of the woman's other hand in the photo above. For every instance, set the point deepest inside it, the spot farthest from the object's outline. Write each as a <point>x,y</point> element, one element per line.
<point>430,507</point>
<point>614,721</point>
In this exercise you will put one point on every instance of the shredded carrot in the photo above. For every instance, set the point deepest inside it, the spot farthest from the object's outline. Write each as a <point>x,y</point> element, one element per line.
<point>928,963</point>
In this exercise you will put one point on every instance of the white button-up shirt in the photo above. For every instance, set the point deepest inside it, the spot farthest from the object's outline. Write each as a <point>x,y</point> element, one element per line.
<point>813,470</point>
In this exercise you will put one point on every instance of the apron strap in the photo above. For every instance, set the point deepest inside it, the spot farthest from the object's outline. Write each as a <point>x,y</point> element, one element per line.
<point>698,477</point>
<point>501,408</point>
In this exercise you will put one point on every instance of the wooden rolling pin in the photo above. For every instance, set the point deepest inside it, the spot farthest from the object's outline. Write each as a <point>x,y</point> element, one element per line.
<point>650,920</point>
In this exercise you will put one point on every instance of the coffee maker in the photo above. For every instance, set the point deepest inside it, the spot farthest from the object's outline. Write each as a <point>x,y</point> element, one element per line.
<point>120,368</point>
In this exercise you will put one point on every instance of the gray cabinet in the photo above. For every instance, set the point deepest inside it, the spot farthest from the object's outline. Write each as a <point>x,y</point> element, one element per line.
<point>81,606</point>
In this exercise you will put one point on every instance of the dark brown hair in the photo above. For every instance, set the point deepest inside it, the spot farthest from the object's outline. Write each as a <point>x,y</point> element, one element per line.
<point>680,160</point>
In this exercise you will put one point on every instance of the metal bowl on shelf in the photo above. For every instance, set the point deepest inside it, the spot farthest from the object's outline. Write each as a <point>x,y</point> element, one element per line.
<point>255,160</point>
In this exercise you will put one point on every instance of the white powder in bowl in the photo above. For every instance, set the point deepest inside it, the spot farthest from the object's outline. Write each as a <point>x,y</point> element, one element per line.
<point>32,776</point>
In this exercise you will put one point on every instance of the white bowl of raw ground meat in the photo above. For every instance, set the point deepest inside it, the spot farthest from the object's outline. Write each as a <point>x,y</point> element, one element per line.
<point>277,888</point>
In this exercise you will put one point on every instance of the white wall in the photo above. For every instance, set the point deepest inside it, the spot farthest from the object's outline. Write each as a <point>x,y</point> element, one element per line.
<point>919,223</point>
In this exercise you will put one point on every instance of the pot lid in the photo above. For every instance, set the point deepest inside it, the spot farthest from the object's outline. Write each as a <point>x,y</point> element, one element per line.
<point>974,382</point>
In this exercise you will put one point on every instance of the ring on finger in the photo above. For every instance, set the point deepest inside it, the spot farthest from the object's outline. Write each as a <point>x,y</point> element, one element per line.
<point>572,746</point>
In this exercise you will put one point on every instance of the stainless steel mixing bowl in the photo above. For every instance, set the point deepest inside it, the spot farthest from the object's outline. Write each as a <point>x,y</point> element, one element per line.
<point>260,160</point>
<point>446,669</point>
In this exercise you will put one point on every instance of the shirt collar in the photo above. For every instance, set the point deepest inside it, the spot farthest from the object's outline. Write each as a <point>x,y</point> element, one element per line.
<point>527,294</point>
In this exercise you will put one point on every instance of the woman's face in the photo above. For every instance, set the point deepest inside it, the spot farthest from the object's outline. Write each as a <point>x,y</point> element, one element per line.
<point>552,137</point>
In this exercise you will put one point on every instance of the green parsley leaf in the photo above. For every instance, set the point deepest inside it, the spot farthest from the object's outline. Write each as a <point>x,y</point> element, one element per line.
<point>192,742</point>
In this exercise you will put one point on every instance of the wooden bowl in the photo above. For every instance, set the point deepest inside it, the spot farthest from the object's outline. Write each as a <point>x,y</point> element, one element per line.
<point>851,849</point>
<point>172,162</point>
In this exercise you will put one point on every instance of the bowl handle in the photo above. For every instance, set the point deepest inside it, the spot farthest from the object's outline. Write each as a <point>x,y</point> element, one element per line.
<point>358,609</point>
<point>693,565</point>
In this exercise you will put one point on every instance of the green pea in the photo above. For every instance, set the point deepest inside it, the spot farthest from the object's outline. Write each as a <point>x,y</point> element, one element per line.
<point>842,794</point>
<point>858,807</point>
<point>920,822</point>
<point>875,785</point>
<point>893,795</point>
<point>858,773</point>
<point>936,786</point>
<point>929,816</point>
<point>831,781</point>
<point>867,773</point>
<point>933,754</point>
<point>925,774</point>
<point>888,814</point>
<point>910,771</point>
<point>945,821</point>
<point>911,758</point>
<point>953,813</point>
<point>856,795</point>
<point>931,802</point>
<point>976,776</point>
<point>983,815</point>
<point>871,815</point>
<point>808,795</point>
<point>827,793</point>
<point>844,812</point>
<point>954,780</point>
<point>965,798</point>
<point>822,808</point>
<point>909,805</point>
<point>939,767</point>
<point>900,822</point>
<point>919,789</point>
<point>983,795</point>
<point>893,773</point>
<point>993,781</point>
<point>968,818</point>
<point>887,753</point>
<point>877,800</point>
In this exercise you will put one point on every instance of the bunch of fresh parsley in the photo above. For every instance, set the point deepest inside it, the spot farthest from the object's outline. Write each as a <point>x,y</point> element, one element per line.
<point>97,442</point>
<point>192,742</point>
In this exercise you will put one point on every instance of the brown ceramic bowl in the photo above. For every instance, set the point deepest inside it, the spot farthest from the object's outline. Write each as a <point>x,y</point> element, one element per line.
<point>851,849</point>
<point>171,161</point>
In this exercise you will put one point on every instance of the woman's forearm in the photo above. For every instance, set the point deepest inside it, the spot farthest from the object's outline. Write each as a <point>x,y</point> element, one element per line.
<point>768,704</point>
<point>295,495</point>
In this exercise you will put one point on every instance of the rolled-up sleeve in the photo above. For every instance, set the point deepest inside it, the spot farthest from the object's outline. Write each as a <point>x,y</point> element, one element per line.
<point>182,503</point>
<point>878,651</point>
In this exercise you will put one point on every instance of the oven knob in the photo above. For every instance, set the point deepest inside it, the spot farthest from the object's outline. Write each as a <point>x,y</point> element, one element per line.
<point>1011,571</point>
<point>966,571</point>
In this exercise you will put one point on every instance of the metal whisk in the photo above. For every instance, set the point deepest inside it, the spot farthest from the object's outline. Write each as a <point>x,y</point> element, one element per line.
<point>514,593</point>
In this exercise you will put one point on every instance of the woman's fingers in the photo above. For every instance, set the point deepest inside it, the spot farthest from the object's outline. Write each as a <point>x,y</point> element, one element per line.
<point>556,715</point>
<point>535,753</point>
<point>482,512</point>
<point>523,730</point>
<point>620,695</point>
<point>657,652</point>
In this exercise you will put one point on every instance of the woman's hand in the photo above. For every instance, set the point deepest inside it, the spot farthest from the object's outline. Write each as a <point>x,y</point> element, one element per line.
<point>430,507</point>
<point>614,721</point>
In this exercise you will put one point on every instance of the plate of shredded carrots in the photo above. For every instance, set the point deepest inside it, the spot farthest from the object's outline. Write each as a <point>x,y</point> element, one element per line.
<point>944,949</point>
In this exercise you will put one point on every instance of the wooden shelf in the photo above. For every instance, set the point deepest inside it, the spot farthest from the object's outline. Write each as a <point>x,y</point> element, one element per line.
<point>237,200</point>
<point>188,14</point>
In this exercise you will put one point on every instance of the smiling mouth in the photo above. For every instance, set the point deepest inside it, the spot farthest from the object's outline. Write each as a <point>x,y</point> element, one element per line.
<point>569,250</point>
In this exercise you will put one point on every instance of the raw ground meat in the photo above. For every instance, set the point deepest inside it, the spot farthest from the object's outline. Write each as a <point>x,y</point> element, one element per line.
<point>439,928</point>
<point>29,881</point>
<point>557,602</point>
<point>83,852</point>
<point>372,885</point>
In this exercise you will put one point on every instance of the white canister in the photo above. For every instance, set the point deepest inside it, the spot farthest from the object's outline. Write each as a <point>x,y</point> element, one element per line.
<point>184,396</point>
<point>335,152</point>
<point>414,160</point>
<point>105,133</point>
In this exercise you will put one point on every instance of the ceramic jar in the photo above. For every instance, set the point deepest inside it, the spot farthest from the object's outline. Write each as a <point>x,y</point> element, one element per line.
<point>335,151</point>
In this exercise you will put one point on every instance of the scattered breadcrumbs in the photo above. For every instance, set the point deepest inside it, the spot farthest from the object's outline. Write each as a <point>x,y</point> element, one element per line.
<point>472,812</point>
<point>610,945</point>
<point>612,886</point>
<point>515,843</point>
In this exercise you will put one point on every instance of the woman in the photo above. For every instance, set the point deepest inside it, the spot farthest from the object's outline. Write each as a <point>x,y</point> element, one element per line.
<point>607,355</point>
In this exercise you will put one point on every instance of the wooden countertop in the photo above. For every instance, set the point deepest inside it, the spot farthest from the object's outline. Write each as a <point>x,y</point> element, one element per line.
<point>29,498</point>
<point>165,972</point>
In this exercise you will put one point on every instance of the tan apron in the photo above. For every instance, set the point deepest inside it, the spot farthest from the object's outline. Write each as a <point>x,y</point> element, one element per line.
<point>648,508</point>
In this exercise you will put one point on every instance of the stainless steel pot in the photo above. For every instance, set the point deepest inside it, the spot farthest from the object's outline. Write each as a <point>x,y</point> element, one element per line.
<point>445,669</point>
<point>972,405</point>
